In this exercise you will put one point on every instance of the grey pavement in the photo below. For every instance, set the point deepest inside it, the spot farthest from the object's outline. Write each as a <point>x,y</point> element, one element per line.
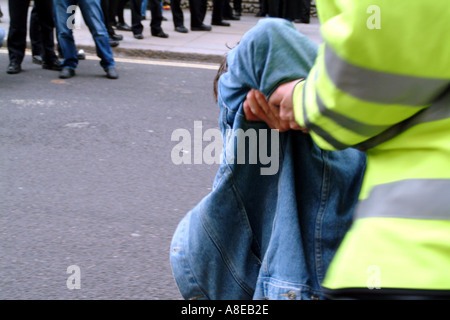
<point>196,46</point>
<point>87,177</point>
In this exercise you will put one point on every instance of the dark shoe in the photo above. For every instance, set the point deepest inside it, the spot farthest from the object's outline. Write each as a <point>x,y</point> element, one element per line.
<point>116,37</point>
<point>160,34</point>
<point>13,68</point>
<point>66,73</point>
<point>181,29</point>
<point>113,43</point>
<point>111,73</point>
<point>232,18</point>
<point>52,65</point>
<point>261,14</point>
<point>300,20</point>
<point>203,27</point>
<point>37,60</point>
<point>123,26</point>
<point>221,23</point>
<point>139,36</point>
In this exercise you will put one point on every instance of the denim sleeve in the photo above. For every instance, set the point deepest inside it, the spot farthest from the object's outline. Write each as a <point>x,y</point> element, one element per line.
<point>271,53</point>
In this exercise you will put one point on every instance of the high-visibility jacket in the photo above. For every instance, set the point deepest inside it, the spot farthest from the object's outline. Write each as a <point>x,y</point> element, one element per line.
<point>382,83</point>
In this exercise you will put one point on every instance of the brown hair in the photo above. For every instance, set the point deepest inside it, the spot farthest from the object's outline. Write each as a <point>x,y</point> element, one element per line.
<point>222,69</point>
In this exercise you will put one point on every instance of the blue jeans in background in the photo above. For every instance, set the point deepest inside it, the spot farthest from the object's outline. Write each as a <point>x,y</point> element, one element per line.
<point>94,19</point>
<point>269,236</point>
<point>144,7</point>
<point>2,36</point>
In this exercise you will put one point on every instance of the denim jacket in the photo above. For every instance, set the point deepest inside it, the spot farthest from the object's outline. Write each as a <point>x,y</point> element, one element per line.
<point>266,236</point>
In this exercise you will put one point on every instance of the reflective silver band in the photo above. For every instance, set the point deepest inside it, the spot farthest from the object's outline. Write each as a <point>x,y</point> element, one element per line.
<point>358,127</point>
<point>438,111</point>
<point>367,81</point>
<point>318,130</point>
<point>411,199</point>
<point>380,87</point>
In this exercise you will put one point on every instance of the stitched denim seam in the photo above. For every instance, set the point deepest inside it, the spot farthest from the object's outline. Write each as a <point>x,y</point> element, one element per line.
<point>246,224</point>
<point>240,202</point>
<point>228,261</point>
<point>190,274</point>
<point>236,189</point>
<point>286,285</point>
<point>320,216</point>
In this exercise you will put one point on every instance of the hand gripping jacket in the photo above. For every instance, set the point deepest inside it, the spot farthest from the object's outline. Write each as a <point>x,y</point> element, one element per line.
<point>381,83</point>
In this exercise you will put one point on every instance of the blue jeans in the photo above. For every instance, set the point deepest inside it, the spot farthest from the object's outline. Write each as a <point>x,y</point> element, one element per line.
<point>144,8</point>
<point>94,19</point>
<point>2,36</point>
<point>266,236</point>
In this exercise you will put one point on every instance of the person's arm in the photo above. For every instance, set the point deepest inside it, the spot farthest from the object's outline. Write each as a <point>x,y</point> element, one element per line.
<point>257,108</point>
<point>362,83</point>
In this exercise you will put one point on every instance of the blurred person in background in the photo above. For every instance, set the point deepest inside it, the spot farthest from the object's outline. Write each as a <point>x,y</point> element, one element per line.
<point>136,17</point>
<point>2,36</point>
<point>2,31</point>
<point>109,8</point>
<point>18,12</point>
<point>94,19</point>
<point>198,12</point>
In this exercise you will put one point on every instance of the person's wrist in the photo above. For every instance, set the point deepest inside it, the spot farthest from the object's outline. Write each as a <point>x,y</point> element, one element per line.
<point>297,102</point>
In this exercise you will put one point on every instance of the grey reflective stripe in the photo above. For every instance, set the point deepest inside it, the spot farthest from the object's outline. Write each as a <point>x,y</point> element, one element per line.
<point>380,87</point>
<point>318,130</point>
<point>358,127</point>
<point>438,111</point>
<point>412,199</point>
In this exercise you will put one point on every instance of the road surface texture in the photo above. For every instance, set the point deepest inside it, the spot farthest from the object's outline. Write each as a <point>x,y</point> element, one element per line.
<point>89,194</point>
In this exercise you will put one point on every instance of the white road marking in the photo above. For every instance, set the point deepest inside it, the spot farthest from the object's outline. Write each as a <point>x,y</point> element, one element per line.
<point>147,61</point>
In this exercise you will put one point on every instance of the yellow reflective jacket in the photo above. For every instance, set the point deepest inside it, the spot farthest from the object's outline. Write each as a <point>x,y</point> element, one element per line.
<point>381,83</point>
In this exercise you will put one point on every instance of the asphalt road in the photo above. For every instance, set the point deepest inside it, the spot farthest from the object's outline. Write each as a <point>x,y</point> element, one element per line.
<point>87,179</point>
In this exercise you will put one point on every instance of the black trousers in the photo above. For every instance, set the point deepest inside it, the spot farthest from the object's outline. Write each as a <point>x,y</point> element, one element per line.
<point>304,11</point>
<point>109,8</point>
<point>18,12</point>
<point>198,12</point>
<point>217,11</point>
<point>119,13</point>
<point>35,33</point>
<point>290,9</point>
<point>157,17</point>
<point>135,7</point>
<point>237,6</point>
<point>228,10</point>
<point>177,13</point>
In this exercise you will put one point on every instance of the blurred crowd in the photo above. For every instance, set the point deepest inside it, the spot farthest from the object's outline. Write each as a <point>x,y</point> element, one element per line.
<point>104,17</point>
